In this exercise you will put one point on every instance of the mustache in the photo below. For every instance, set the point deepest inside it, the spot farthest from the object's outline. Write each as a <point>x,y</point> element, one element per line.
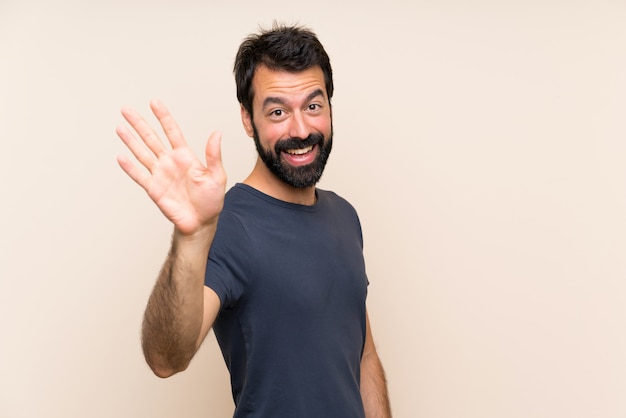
<point>298,143</point>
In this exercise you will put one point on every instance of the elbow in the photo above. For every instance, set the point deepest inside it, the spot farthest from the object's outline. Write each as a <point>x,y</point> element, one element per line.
<point>163,368</point>
<point>165,371</point>
<point>162,372</point>
<point>164,358</point>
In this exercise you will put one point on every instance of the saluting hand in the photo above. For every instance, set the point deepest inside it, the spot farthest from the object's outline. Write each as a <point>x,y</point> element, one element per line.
<point>188,193</point>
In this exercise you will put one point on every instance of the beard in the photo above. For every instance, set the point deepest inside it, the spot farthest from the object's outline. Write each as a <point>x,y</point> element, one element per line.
<point>302,176</point>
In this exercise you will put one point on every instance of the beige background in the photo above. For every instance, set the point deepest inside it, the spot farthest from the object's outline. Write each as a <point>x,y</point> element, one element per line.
<point>482,142</point>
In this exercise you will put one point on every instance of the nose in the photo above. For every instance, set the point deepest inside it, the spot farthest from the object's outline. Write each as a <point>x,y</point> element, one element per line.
<point>298,127</point>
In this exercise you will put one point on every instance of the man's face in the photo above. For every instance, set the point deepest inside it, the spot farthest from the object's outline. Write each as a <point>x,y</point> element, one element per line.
<point>292,125</point>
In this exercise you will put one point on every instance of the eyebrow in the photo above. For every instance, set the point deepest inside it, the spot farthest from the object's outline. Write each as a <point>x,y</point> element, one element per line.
<point>281,101</point>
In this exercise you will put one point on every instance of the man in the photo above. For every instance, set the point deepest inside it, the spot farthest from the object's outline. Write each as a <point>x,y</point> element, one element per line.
<point>284,284</point>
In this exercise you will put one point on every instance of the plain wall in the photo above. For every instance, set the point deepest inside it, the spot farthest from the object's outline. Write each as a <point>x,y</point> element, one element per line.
<point>483,144</point>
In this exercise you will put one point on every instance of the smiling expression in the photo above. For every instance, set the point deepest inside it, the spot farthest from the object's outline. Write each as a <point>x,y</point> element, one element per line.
<point>292,124</point>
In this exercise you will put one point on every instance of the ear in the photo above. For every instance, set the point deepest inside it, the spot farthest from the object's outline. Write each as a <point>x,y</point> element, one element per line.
<point>246,119</point>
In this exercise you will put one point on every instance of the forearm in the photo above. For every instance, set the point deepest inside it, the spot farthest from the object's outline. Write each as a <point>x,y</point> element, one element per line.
<point>374,387</point>
<point>174,314</point>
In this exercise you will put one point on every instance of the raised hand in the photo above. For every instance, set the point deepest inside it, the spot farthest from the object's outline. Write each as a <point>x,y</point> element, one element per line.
<point>188,193</point>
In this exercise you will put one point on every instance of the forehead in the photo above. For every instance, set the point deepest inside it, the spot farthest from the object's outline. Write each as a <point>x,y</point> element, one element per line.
<point>270,83</point>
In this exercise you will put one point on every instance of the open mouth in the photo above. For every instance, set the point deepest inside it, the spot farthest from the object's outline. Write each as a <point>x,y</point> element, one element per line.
<point>300,151</point>
<point>300,156</point>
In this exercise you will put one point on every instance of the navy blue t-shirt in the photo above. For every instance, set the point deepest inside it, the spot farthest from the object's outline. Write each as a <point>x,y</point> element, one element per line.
<point>292,284</point>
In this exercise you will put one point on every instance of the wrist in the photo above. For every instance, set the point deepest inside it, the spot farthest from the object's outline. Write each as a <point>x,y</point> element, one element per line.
<point>201,238</point>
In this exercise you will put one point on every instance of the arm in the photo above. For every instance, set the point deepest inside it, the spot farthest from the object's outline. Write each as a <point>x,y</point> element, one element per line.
<point>373,382</point>
<point>181,309</point>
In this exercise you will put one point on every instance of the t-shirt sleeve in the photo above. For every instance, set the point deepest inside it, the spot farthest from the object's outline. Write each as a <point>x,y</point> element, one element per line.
<point>228,259</point>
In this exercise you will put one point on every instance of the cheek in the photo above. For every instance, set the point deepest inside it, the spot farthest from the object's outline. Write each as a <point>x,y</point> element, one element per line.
<point>325,127</point>
<point>321,124</point>
<point>269,134</point>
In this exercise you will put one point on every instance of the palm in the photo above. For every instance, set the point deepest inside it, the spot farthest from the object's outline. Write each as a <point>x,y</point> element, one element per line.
<point>188,193</point>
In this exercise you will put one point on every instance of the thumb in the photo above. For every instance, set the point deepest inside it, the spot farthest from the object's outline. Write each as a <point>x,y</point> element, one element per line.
<point>213,150</point>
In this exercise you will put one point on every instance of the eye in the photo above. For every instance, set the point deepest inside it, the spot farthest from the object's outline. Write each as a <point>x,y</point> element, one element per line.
<point>314,107</point>
<point>276,113</point>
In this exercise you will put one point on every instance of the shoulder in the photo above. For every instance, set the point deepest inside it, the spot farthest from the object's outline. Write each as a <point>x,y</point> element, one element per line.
<point>335,201</point>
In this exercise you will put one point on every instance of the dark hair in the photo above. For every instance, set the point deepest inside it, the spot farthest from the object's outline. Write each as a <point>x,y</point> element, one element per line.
<point>287,48</point>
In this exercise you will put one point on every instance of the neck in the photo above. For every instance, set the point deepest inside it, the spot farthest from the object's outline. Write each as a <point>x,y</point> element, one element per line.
<point>262,179</point>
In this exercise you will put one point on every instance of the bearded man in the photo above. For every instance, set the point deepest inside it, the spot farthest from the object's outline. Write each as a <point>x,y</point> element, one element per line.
<point>275,265</point>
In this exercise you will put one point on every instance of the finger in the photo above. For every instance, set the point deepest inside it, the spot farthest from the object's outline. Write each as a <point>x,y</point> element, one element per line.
<point>213,153</point>
<point>168,123</point>
<point>147,134</point>
<point>133,172</point>
<point>143,155</point>
<point>213,150</point>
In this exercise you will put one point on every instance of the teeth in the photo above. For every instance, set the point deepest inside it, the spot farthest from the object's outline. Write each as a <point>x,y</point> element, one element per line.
<point>299,151</point>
